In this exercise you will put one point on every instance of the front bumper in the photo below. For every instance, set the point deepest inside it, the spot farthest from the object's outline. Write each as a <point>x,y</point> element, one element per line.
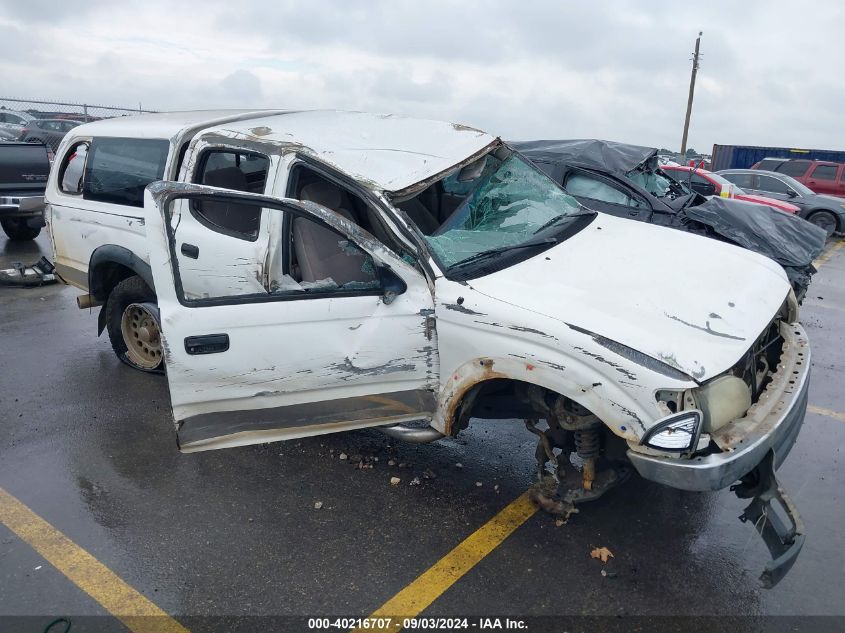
<point>771,424</point>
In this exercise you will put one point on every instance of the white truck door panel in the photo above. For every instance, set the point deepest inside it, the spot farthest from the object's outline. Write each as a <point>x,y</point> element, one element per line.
<point>310,357</point>
<point>201,249</point>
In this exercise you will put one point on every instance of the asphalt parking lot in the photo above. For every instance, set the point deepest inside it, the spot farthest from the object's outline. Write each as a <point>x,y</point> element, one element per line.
<point>214,539</point>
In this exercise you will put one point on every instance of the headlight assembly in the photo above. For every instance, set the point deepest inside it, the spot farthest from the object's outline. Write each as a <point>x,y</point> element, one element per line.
<point>676,433</point>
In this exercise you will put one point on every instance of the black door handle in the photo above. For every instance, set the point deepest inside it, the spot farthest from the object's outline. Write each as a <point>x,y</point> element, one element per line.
<point>207,344</point>
<point>189,250</point>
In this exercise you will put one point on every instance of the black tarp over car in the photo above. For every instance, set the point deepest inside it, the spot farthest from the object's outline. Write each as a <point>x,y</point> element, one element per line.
<point>788,239</point>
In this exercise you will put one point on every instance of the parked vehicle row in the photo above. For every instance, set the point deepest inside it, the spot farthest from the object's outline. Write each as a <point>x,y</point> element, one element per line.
<point>709,184</point>
<point>745,156</point>
<point>820,176</point>
<point>22,126</point>
<point>826,212</point>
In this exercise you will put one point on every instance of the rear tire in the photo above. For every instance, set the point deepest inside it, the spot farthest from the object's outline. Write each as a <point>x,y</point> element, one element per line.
<point>824,220</point>
<point>18,229</point>
<point>133,331</point>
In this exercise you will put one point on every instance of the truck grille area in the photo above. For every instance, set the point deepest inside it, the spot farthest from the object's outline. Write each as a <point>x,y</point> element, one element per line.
<point>758,364</point>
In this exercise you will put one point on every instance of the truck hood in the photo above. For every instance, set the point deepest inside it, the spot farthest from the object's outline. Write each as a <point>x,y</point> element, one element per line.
<point>692,302</point>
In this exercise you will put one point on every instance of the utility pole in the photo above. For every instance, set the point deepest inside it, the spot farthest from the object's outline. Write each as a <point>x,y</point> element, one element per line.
<point>691,93</point>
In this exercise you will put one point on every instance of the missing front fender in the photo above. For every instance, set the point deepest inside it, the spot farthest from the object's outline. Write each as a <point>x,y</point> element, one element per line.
<point>783,539</point>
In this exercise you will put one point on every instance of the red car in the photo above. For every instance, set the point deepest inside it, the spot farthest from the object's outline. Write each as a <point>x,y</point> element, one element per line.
<point>709,184</point>
<point>821,176</point>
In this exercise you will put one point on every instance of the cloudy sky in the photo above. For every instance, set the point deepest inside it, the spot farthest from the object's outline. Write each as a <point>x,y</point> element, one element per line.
<point>771,73</point>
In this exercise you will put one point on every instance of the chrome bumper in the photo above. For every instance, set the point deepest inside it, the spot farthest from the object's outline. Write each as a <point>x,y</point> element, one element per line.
<point>23,205</point>
<point>772,424</point>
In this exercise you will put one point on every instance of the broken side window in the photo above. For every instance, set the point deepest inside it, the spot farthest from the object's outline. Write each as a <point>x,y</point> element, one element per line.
<point>293,256</point>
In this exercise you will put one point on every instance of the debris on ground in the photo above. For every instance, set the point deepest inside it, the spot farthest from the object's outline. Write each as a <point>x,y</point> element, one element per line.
<point>391,462</point>
<point>602,553</point>
<point>429,474</point>
<point>342,456</point>
<point>459,465</point>
<point>415,481</point>
<point>318,505</point>
<point>38,274</point>
<point>478,484</point>
<point>544,495</point>
<point>496,487</point>
<point>394,481</point>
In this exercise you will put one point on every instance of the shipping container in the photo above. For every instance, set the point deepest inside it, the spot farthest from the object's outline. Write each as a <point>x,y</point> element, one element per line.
<point>744,156</point>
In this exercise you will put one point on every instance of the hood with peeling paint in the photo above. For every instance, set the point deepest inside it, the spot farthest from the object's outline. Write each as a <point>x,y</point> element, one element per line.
<point>692,302</point>
<point>383,151</point>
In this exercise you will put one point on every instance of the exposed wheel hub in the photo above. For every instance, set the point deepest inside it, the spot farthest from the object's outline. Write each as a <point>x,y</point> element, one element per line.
<point>141,334</point>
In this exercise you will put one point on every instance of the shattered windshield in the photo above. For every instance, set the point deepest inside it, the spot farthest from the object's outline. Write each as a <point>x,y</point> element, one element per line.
<point>507,203</point>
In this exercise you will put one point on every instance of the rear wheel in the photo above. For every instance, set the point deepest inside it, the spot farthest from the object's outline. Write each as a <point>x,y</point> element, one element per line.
<point>18,229</point>
<point>132,323</point>
<point>824,220</point>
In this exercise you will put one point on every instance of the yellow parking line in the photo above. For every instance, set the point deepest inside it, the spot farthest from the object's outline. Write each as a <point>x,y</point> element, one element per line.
<point>828,253</point>
<point>136,612</point>
<point>827,412</point>
<point>429,586</point>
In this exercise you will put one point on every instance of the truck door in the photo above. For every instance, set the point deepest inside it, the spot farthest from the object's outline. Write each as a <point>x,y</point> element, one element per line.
<point>340,338</point>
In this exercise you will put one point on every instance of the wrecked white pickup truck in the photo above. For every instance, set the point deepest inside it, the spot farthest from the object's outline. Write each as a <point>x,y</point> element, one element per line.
<point>314,272</point>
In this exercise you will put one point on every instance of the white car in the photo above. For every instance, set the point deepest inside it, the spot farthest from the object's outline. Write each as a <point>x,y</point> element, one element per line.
<point>314,272</point>
<point>14,121</point>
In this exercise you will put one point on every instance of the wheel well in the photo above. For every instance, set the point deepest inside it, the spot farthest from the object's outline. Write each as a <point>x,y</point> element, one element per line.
<point>105,276</point>
<point>502,398</point>
<point>110,264</point>
<point>833,213</point>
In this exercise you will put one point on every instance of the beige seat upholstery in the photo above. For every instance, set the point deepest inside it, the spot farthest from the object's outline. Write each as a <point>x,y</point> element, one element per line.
<point>242,218</point>
<point>319,251</point>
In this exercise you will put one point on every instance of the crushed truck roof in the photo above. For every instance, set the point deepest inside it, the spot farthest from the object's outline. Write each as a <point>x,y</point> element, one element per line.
<point>384,151</point>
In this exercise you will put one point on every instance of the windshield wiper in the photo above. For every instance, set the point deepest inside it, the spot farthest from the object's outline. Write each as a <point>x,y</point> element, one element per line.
<point>495,252</point>
<point>559,218</point>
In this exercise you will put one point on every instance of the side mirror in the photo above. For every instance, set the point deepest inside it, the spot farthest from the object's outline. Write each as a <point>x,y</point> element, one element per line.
<point>392,284</point>
<point>704,188</point>
<point>792,193</point>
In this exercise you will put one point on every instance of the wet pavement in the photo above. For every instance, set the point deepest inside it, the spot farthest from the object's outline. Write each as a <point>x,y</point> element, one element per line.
<point>87,443</point>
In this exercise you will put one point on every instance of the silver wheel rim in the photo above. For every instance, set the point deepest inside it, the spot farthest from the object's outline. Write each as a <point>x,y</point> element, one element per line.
<point>141,336</point>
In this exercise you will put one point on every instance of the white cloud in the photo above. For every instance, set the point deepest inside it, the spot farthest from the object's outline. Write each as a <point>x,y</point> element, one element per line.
<point>531,69</point>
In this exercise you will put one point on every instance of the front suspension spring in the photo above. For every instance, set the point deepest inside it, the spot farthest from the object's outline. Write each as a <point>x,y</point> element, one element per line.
<point>588,442</point>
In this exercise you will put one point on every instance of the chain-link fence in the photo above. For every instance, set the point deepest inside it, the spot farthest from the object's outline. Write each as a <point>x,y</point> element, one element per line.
<point>48,121</point>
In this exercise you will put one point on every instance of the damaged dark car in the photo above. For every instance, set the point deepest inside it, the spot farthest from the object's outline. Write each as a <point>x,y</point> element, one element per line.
<point>626,181</point>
